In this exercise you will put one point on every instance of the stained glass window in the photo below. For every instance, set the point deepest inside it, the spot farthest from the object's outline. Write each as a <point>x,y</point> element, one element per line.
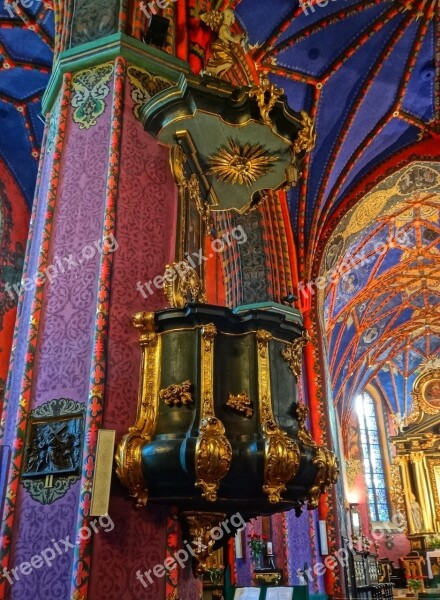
<point>372,458</point>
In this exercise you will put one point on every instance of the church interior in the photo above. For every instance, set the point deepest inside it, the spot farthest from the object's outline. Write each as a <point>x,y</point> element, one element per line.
<point>219,299</point>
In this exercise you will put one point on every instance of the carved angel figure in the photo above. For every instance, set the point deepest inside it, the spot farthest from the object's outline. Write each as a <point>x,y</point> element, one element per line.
<point>222,55</point>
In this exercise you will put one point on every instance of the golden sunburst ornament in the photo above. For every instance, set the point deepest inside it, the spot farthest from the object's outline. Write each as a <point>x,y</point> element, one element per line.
<point>242,165</point>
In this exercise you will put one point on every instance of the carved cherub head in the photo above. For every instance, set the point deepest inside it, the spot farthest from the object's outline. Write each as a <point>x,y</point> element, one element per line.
<point>228,16</point>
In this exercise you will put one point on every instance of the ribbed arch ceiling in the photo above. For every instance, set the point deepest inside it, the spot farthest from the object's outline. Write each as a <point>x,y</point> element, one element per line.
<point>381,312</point>
<point>368,72</point>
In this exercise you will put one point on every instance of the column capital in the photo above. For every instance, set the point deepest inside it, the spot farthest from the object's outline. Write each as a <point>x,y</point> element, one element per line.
<point>106,49</point>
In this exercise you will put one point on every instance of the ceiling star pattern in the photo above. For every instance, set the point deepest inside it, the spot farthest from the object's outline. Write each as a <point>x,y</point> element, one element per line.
<point>26,39</point>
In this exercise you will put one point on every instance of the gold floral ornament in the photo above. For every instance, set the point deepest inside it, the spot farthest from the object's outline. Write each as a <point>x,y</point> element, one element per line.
<point>177,394</point>
<point>222,49</point>
<point>266,95</point>
<point>241,404</point>
<point>241,165</point>
<point>305,142</point>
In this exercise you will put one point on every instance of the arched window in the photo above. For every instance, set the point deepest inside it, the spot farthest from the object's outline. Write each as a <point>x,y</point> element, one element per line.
<point>372,458</point>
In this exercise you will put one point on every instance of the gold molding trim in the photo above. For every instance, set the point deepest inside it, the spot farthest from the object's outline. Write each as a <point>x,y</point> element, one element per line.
<point>213,454</point>
<point>431,464</point>
<point>241,404</point>
<point>281,455</point>
<point>292,353</point>
<point>129,450</point>
<point>177,394</point>
<point>397,494</point>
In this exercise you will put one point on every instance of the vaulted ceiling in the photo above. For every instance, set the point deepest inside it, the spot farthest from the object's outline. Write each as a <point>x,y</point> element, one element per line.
<point>368,72</point>
<point>26,36</point>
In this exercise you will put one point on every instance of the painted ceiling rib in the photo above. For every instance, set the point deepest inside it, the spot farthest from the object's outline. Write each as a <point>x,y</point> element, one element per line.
<point>323,215</point>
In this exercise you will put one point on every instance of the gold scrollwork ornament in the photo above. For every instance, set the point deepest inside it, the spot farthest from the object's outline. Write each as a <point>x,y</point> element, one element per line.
<point>266,95</point>
<point>213,457</point>
<point>282,458</point>
<point>292,353</point>
<point>302,412</point>
<point>200,526</point>
<point>281,454</point>
<point>182,284</point>
<point>306,140</point>
<point>326,476</point>
<point>129,451</point>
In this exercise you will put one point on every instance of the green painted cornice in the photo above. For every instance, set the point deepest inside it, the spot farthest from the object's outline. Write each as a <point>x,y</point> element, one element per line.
<point>107,49</point>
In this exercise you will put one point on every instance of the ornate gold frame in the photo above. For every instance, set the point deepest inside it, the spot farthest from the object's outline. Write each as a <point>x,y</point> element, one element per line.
<point>418,395</point>
<point>434,480</point>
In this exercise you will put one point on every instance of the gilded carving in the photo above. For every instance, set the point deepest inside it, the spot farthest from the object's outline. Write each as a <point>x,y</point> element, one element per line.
<point>281,455</point>
<point>222,49</point>
<point>241,404</point>
<point>266,95</point>
<point>200,526</point>
<point>241,165</point>
<point>213,453</point>
<point>195,196</point>
<point>129,450</point>
<point>353,469</point>
<point>263,338</point>
<point>292,353</point>
<point>182,284</point>
<point>177,394</point>
<point>327,474</point>
<point>267,579</point>
<point>305,142</point>
<point>90,88</point>
<point>302,412</point>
